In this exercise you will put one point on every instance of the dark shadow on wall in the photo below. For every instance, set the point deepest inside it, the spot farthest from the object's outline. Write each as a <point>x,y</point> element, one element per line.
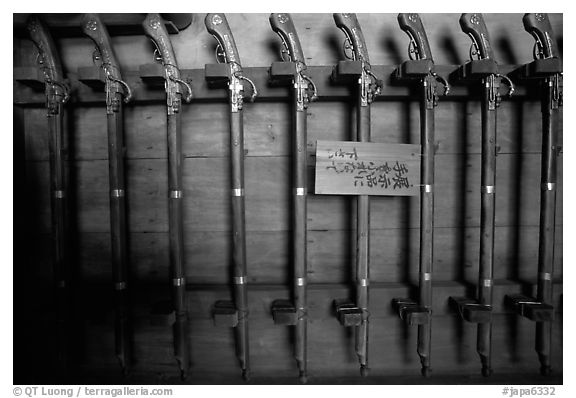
<point>506,49</point>
<point>335,43</point>
<point>448,47</point>
<point>392,48</point>
<point>275,47</point>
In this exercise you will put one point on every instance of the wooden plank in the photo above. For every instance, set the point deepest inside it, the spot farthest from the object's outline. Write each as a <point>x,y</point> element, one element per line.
<point>394,255</point>
<point>321,291</point>
<point>330,350</point>
<point>267,129</point>
<point>457,201</point>
<point>207,203</point>
<point>331,347</point>
<point>353,168</point>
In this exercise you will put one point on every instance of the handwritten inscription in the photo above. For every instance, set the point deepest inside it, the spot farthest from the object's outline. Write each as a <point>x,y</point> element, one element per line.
<point>374,175</point>
<point>359,168</point>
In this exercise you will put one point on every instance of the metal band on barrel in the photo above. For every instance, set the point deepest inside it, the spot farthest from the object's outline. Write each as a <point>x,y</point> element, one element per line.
<point>545,276</point>
<point>363,282</point>
<point>179,281</point>
<point>549,186</point>
<point>240,280</point>
<point>488,189</point>
<point>237,191</point>
<point>117,193</point>
<point>59,194</point>
<point>120,285</point>
<point>300,191</point>
<point>300,281</point>
<point>176,194</point>
<point>528,302</point>
<point>427,188</point>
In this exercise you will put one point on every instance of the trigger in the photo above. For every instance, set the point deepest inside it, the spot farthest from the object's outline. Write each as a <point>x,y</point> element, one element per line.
<point>156,56</point>
<point>537,50</point>
<point>96,56</point>
<point>284,51</point>
<point>474,51</point>
<point>347,48</point>
<point>220,54</point>
<point>412,50</point>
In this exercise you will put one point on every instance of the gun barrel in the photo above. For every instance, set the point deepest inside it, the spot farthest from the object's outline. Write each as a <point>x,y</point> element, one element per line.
<point>550,127</point>
<point>487,218</point>
<point>176,238</point>
<point>299,225</point>
<point>60,227</point>
<point>239,238</point>
<point>362,240</point>
<point>426,218</point>
<point>118,228</point>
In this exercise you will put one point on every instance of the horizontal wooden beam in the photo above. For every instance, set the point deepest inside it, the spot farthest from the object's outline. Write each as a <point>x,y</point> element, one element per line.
<point>151,302</point>
<point>146,92</point>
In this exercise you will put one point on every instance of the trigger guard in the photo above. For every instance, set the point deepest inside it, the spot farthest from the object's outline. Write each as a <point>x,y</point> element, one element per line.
<point>347,46</point>
<point>220,55</point>
<point>537,51</point>
<point>412,50</point>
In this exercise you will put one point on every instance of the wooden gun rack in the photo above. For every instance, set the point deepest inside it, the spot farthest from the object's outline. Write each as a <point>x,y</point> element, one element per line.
<point>147,84</point>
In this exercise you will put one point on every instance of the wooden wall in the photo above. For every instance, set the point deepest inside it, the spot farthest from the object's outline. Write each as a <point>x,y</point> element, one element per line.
<point>394,222</point>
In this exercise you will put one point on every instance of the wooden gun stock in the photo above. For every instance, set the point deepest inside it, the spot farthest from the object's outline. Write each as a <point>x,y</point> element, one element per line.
<point>474,26</point>
<point>412,25</point>
<point>282,24</point>
<point>49,58</point>
<point>93,27</point>
<point>154,28</point>
<point>217,26</point>
<point>348,23</point>
<point>538,25</point>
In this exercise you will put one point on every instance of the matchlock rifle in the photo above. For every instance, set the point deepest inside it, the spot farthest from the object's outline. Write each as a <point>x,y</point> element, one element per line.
<point>57,94</point>
<point>547,70</point>
<point>293,71</point>
<point>234,314</point>
<point>367,86</point>
<point>420,69</point>
<point>485,70</point>
<point>117,91</point>
<point>156,31</point>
